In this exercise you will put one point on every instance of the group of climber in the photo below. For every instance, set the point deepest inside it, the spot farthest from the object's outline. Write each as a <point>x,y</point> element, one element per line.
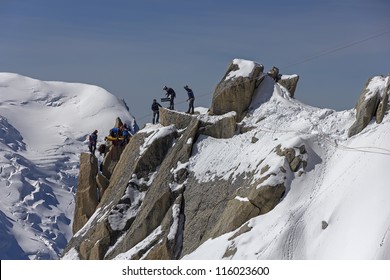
<point>171,95</point>
<point>119,136</point>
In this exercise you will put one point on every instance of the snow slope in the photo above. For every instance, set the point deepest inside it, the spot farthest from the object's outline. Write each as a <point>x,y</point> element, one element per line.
<point>337,209</point>
<point>43,127</point>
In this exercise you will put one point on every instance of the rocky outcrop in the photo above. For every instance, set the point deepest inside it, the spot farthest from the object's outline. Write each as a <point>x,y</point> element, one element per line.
<point>234,92</point>
<point>86,196</point>
<point>161,194</point>
<point>372,102</point>
<point>383,104</point>
<point>223,126</point>
<point>93,242</point>
<point>179,119</point>
<point>152,205</point>
<point>111,159</point>
<point>294,156</point>
<point>102,183</point>
<point>95,246</point>
<point>382,108</point>
<point>290,83</point>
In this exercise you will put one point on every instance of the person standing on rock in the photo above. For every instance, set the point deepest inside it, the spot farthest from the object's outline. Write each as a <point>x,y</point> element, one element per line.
<point>274,74</point>
<point>171,94</point>
<point>126,134</point>
<point>191,99</point>
<point>156,111</point>
<point>92,142</point>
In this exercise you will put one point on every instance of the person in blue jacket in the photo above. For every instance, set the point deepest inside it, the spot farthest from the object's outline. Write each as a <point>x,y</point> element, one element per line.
<point>126,134</point>
<point>191,99</point>
<point>92,142</point>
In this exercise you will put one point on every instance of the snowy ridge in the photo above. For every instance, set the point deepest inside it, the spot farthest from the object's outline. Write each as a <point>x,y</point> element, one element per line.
<point>332,205</point>
<point>344,187</point>
<point>43,127</point>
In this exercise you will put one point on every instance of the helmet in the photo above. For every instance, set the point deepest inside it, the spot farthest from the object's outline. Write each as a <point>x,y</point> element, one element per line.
<point>154,100</point>
<point>185,86</point>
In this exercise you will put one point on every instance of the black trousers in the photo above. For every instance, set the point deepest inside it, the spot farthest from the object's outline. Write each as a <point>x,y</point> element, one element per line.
<point>92,147</point>
<point>191,106</point>
<point>171,104</point>
<point>156,116</point>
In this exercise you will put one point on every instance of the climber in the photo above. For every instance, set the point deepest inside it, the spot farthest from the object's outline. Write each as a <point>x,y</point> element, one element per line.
<point>274,74</point>
<point>190,100</point>
<point>115,132</point>
<point>115,136</point>
<point>92,142</point>
<point>126,134</point>
<point>156,111</point>
<point>171,94</point>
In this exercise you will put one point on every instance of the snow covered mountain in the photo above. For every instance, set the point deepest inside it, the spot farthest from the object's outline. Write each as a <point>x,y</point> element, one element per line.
<point>43,128</point>
<point>258,176</point>
<point>337,208</point>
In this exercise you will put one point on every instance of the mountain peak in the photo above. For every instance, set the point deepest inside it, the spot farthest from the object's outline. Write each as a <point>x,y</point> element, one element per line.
<point>43,126</point>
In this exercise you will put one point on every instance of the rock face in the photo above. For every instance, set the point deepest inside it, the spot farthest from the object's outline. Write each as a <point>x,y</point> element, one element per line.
<point>111,159</point>
<point>372,102</point>
<point>234,92</point>
<point>123,197</point>
<point>290,83</point>
<point>86,196</point>
<point>163,192</point>
<point>383,104</point>
<point>102,183</point>
<point>223,126</point>
<point>181,120</point>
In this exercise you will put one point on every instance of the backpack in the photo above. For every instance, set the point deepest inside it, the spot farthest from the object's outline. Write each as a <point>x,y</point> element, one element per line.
<point>113,132</point>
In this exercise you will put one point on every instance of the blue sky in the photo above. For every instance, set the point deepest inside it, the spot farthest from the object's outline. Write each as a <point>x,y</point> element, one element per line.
<point>134,48</point>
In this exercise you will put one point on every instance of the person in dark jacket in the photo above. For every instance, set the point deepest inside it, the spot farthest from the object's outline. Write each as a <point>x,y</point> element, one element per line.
<point>92,142</point>
<point>126,134</point>
<point>171,94</point>
<point>191,99</point>
<point>156,111</point>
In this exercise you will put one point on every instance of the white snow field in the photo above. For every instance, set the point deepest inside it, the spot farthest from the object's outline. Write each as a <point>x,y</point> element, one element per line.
<point>43,128</point>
